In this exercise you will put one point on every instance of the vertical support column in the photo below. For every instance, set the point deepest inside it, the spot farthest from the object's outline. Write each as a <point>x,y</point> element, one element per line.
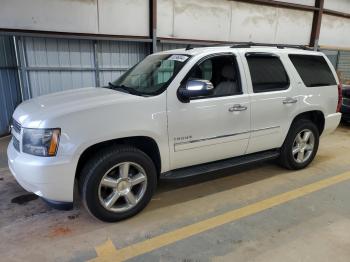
<point>153,24</point>
<point>22,67</point>
<point>96,64</point>
<point>18,65</point>
<point>316,24</point>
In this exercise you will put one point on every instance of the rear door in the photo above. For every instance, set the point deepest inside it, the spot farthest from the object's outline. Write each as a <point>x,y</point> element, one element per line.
<point>274,98</point>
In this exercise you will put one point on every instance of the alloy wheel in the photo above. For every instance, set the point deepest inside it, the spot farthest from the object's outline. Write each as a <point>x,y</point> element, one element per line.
<point>303,146</point>
<point>122,187</point>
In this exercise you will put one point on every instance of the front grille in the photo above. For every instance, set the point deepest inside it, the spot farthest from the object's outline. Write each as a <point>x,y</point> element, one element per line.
<point>15,143</point>
<point>16,126</point>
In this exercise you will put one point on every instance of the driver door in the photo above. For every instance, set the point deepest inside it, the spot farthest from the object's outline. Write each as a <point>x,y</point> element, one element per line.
<point>214,127</point>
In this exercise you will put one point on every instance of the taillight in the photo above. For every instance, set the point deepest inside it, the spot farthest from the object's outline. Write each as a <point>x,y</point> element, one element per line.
<point>340,96</point>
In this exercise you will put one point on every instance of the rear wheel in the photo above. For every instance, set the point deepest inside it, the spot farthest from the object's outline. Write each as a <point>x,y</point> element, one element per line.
<point>300,146</point>
<point>117,183</point>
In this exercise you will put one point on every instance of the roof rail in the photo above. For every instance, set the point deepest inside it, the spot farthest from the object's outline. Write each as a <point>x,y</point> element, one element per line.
<point>281,46</point>
<point>189,47</point>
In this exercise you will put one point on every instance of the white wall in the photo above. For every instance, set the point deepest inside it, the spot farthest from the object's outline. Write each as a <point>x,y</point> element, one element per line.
<point>124,17</point>
<point>115,17</point>
<point>52,15</point>
<point>338,5</point>
<point>217,20</point>
<point>222,20</point>
<point>335,31</point>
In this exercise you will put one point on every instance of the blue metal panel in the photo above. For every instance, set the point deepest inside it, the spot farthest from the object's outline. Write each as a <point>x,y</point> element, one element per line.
<point>59,64</point>
<point>344,66</point>
<point>115,57</point>
<point>9,85</point>
<point>332,56</point>
<point>170,46</point>
<point>55,65</point>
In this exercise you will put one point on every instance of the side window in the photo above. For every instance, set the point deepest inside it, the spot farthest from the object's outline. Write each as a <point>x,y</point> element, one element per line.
<point>313,70</point>
<point>267,73</point>
<point>222,72</point>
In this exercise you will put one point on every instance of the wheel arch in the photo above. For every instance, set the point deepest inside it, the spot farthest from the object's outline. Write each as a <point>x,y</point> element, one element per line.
<point>146,144</point>
<point>315,116</point>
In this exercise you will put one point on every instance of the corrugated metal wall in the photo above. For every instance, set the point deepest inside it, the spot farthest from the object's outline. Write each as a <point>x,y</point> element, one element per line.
<point>52,65</point>
<point>115,58</point>
<point>332,56</point>
<point>9,84</point>
<point>344,66</point>
<point>58,64</point>
<point>170,46</point>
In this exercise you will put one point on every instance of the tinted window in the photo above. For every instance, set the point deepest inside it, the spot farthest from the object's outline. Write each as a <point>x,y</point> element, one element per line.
<point>221,71</point>
<point>267,73</point>
<point>313,70</point>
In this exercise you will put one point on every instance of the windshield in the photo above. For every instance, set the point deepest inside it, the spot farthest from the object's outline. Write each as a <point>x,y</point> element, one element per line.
<point>152,75</point>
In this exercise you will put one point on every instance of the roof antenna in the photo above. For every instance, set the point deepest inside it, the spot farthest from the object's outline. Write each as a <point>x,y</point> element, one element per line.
<point>188,47</point>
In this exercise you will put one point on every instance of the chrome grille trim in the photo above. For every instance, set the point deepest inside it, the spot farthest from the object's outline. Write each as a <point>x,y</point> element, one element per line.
<point>15,143</point>
<point>16,126</point>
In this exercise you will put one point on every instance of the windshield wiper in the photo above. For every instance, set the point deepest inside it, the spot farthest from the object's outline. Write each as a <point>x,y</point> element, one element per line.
<point>121,87</point>
<point>125,89</point>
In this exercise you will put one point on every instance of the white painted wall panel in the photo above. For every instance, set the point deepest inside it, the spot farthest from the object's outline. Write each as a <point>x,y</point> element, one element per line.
<point>205,19</point>
<point>335,31</point>
<point>53,15</point>
<point>253,23</point>
<point>124,17</point>
<point>338,5</point>
<point>222,20</point>
<point>294,27</point>
<point>266,24</point>
<point>165,18</point>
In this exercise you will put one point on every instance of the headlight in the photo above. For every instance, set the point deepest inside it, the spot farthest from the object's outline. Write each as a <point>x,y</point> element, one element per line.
<point>40,142</point>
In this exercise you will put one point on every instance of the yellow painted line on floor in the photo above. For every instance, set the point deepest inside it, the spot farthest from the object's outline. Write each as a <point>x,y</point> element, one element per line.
<point>107,249</point>
<point>171,237</point>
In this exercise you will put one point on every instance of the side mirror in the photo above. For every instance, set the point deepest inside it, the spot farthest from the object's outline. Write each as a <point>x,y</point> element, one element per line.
<point>195,89</point>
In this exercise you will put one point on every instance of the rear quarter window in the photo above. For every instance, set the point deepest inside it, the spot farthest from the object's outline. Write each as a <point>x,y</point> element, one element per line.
<point>313,70</point>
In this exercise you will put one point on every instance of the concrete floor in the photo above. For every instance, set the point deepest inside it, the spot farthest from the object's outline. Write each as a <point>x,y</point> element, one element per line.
<point>314,227</point>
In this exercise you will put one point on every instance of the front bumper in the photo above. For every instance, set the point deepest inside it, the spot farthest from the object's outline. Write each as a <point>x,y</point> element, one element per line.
<point>51,178</point>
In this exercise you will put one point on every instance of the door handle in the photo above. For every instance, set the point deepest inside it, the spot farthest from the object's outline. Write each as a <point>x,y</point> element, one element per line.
<point>289,100</point>
<point>237,108</point>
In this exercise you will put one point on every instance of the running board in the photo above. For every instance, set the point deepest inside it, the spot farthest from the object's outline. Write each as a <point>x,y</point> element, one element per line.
<point>219,165</point>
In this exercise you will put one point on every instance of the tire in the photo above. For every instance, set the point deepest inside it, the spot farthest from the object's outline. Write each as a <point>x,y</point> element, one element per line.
<point>110,176</point>
<point>294,161</point>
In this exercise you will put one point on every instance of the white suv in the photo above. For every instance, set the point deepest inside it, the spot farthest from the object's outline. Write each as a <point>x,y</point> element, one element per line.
<point>175,114</point>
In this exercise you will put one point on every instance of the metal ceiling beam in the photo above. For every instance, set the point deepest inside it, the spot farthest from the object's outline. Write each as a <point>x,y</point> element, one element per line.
<point>336,13</point>
<point>85,36</point>
<point>280,4</point>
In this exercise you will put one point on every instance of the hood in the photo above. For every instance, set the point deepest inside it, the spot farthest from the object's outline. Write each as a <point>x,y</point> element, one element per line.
<point>31,112</point>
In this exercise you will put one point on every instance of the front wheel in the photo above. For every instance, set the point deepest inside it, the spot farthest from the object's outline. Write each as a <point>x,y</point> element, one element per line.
<point>300,146</point>
<point>117,183</point>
